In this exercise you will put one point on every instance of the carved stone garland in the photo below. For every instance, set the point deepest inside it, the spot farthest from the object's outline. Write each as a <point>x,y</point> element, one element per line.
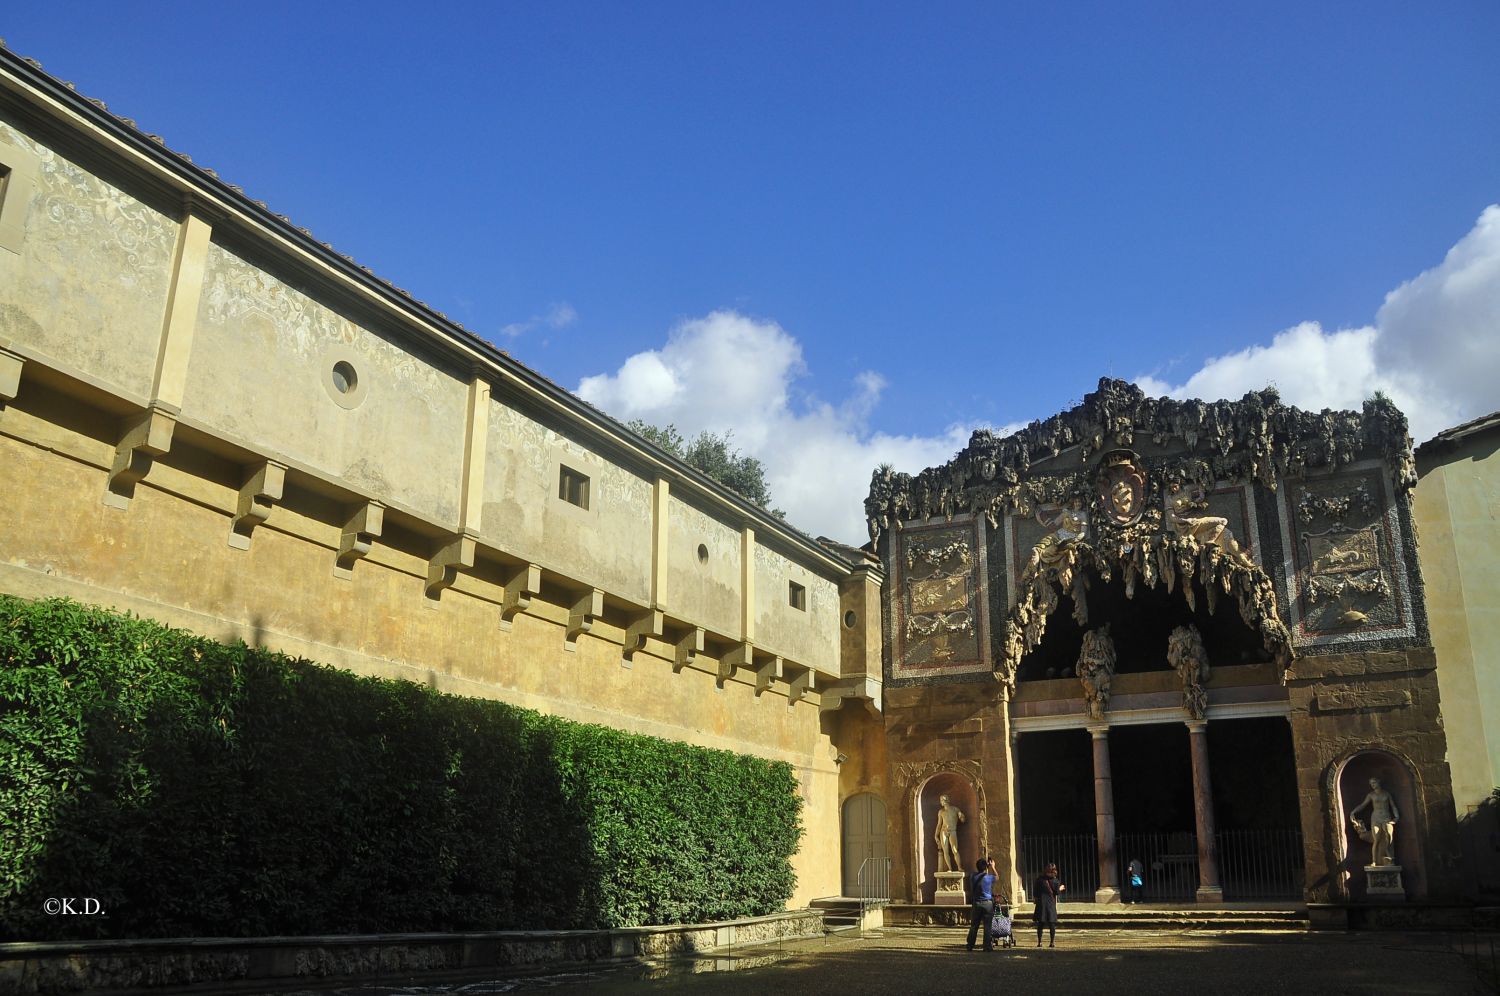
<point>1188,658</point>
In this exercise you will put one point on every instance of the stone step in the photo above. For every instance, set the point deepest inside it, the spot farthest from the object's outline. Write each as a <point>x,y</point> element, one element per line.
<point>1088,916</point>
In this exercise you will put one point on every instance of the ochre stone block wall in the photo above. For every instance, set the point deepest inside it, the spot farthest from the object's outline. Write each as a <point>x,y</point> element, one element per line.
<point>166,557</point>
<point>1379,708</point>
<point>933,731</point>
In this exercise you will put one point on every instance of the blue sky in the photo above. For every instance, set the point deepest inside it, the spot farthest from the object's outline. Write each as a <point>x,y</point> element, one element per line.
<point>853,232</point>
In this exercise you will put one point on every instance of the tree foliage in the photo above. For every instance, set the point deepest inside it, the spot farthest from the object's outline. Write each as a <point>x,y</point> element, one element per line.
<point>714,455</point>
<point>202,789</point>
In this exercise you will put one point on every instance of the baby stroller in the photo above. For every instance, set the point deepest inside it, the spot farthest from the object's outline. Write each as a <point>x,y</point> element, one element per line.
<point>1000,924</point>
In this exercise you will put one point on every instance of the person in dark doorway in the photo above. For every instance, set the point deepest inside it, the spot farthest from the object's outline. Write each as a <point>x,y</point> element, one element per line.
<point>1137,874</point>
<point>982,901</point>
<point>1044,893</point>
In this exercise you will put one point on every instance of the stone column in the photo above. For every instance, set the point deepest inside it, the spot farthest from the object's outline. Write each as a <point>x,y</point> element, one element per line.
<point>1104,818</point>
<point>1209,889</point>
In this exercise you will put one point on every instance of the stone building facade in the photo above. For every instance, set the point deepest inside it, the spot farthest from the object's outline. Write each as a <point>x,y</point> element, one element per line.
<point>1170,628</point>
<point>1187,631</point>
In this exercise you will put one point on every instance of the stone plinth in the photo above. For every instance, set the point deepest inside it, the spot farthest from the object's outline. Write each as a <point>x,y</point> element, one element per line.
<point>1383,883</point>
<point>950,889</point>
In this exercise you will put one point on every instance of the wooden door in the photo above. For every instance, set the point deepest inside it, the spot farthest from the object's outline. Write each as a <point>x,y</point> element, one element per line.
<point>864,837</point>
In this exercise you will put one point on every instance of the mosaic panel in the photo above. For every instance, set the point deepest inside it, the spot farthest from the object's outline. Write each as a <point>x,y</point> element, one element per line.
<point>939,604</point>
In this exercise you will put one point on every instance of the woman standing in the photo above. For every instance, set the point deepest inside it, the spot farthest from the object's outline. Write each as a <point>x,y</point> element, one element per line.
<point>1044,893</point>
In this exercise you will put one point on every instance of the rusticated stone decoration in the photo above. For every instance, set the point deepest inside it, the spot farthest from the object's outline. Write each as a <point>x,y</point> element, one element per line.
<point>939,623</point>
<point>1096,670</point>
<point>1188,658</point>
<point>1151,559</point>
<point>1254,439</point>
<point>1203,448</point>
<point>1349,578</point>
<point>1121,488</point>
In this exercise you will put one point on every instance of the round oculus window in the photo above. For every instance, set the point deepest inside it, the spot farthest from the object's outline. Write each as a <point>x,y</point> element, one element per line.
<point>344,377</point>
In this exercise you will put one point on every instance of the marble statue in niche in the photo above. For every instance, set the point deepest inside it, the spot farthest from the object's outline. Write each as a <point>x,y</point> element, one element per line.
<point>1380,832</point>
<point>945,835</point>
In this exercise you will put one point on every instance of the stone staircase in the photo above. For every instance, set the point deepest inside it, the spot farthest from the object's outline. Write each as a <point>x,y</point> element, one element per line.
<point>842,913</point>
<point>1237,917</point>
<point>1249,917</point>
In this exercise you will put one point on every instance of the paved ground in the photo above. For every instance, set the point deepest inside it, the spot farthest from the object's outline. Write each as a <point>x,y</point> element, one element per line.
<point>917,962</point>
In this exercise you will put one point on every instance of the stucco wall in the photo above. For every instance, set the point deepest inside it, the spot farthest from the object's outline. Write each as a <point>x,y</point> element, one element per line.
<point>706,589</point>
<point>805,635</point>
<point>607,544</point>
<point>261,354</point>
<point>1456,506</point>
<point>89,290</point>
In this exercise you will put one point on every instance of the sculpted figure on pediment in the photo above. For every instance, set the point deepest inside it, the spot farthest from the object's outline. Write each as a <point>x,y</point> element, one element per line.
<point>1068,525</point>
<point>1187,514</point>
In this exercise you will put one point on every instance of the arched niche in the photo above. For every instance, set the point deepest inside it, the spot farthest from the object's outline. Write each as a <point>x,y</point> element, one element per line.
<point>1351,783</point>
<point>962,793</point>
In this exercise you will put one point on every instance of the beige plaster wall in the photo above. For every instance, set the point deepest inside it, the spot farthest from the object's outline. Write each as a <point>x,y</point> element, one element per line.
<point>607,545</point>
<point>808,636</point>
<point>706,591</point>
<point>261,353</point>
<point>166,557</point>
<point>1456,506</point>
<point>89,288</point>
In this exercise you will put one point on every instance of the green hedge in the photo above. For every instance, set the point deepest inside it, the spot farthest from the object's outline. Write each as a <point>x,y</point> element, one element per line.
<point>200,789</point>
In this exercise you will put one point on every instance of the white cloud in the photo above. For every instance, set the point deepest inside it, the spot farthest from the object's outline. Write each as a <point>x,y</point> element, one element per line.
<point>557,316</point>
<point>728,372</point>
<point>1434,348</point>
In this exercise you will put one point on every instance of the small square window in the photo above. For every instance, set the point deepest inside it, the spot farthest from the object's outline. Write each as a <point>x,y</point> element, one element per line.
<point>796,595</point>
<point>573,487</point>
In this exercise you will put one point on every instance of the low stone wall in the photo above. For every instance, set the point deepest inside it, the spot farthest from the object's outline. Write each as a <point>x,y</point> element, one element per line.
<point>55,967</point>
<point>1401,916</point>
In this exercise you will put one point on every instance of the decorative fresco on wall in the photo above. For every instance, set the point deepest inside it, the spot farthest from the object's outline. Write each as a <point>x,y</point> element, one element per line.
<point>938,601</point>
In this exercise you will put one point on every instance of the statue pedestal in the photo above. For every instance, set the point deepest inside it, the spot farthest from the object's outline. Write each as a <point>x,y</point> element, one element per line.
<point>950,889</point>
<point>1383,883</point>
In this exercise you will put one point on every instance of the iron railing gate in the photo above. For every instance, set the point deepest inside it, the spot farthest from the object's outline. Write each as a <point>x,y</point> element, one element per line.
<point>1076,857</point>
<point>1253,864</point>
<point>1261,864</point>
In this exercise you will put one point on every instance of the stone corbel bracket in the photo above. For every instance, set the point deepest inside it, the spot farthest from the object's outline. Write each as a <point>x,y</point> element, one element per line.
<point>688,650</point>
<point>520,588</point>
<point>649,624</point>
<point>798,685</point>
<point>865,690</point>
<point>451,556</point>
<point>581,617</point>
<point>360,532</point>
<point>10,375</point>
<point>741,655</point>
<point>143,438</point>
<point>262,489</point>
<point>767,672</point>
